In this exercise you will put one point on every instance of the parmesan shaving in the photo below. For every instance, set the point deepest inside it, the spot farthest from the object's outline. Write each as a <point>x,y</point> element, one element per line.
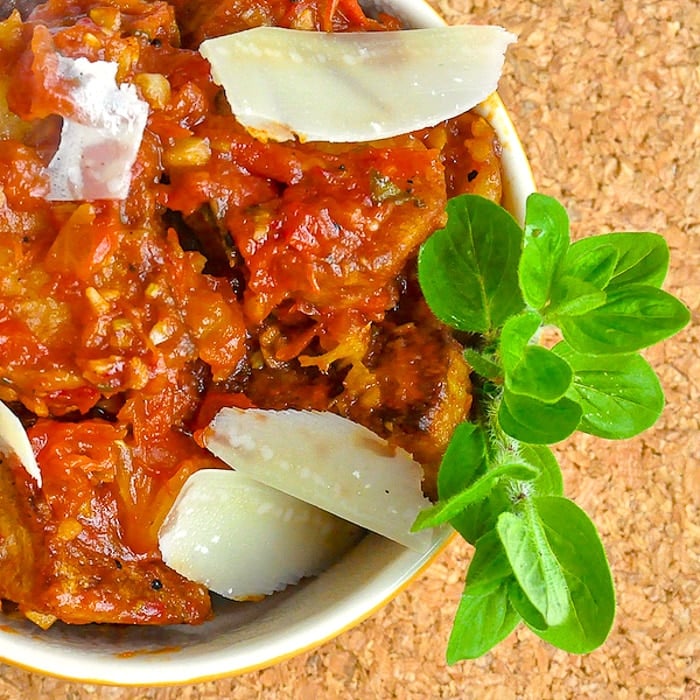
<point>242,539</point>
<point>98,147</point>
<point>14,440</point>
<point>328,461</point>
<point>356,86</point>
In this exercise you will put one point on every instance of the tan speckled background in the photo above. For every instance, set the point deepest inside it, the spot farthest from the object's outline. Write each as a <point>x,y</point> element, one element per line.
<point>605,96</point>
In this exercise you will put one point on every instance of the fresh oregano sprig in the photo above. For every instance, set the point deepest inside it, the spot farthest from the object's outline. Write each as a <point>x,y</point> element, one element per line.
<point>538,557</point>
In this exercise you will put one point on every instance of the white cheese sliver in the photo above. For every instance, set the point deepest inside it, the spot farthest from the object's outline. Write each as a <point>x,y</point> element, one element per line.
<point>328,461</point>
<point>356,86</point>
<point>98,148</point>
<point>243,539</point>
<point>14,439</point>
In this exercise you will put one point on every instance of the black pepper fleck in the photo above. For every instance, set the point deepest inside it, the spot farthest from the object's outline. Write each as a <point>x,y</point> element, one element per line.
<point>156,584</point>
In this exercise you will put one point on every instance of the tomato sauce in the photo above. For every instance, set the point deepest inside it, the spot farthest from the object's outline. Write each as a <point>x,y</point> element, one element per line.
<point>236,272</point>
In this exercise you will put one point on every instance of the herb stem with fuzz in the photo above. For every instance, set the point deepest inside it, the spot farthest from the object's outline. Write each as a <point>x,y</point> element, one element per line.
<point>538,557</point>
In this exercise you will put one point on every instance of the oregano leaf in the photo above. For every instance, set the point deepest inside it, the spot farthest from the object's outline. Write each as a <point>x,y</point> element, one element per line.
<point>516,334</point>
<point>463,461</point>
<point>481,622</point>
<point>620,395</point>
<point>545,244</point>
<point>478,519</point>
<point>549,481</point>
<point>468,271</point>
<point>538,556</point>
<point>481,364</point>
<point>576,544</point>
<point>540,374</point>
<point>534,564</point>
<point>642,258</point>
<point>633,317</point>
<point>489,566</point>
<point>530,615</point>
<point>572,296</point>
<point>485,612</point>
<point>530,420</point>
<point>593,262</point>
<point>444,511</point>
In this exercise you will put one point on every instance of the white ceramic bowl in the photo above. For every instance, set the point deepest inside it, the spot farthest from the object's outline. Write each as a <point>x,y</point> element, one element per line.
<point>248,636</point>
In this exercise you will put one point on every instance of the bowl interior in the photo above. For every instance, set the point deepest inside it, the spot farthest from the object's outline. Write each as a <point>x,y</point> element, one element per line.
<point>241,637</point>
<point>246,636</point>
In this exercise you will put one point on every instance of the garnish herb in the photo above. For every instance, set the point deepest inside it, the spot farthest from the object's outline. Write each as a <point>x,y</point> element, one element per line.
<point>538,557</point>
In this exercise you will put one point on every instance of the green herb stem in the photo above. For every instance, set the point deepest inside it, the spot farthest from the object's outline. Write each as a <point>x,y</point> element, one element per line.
<point>538,557</point>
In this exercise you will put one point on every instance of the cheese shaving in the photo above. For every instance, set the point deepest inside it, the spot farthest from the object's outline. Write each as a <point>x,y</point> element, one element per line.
<point>99,145</point>
<point>243,540</point>
<point>14,440</point>
<point>328,461</point>
<point>354,86</point>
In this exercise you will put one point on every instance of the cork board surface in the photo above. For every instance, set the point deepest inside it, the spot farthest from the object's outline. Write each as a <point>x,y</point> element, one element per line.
<point>605,97</point>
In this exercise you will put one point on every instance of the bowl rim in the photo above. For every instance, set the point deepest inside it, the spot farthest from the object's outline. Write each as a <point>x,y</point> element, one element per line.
<point>134,667</point>
<point>158,664</point>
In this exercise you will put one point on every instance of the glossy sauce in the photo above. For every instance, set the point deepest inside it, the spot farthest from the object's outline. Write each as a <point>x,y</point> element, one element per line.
<point>236,272</point>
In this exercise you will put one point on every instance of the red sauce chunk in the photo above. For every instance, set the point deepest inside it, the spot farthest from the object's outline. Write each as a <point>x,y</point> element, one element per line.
<point>236,272</point>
